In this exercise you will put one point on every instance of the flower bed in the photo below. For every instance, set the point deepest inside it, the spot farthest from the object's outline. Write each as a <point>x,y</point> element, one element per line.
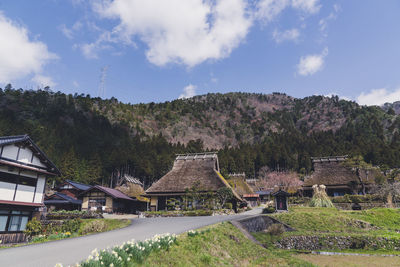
<point>128,253</point>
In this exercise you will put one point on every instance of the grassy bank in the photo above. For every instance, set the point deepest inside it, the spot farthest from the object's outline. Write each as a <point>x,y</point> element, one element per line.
<point>368,230</point>
<point>221,245</point>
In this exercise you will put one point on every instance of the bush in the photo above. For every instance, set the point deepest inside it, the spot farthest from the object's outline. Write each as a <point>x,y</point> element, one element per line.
<point>268,210</point>
<point>275,229</point>
<point>72,214</point>
<point>228,206</point>
<point>96,226</point>
<point>71,225</point>
<point>33,227</point>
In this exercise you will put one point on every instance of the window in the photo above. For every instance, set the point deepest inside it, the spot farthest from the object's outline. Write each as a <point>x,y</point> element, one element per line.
<point>97,202</point>
<point>13,221</point>
<point>17,179</point>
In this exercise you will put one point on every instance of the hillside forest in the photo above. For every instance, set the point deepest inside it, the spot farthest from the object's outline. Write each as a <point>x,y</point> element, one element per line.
<point>92,140</point>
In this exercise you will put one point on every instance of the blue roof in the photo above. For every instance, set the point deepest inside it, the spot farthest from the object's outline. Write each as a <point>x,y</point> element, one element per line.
<point>79,186</point>
<point>64,199</point>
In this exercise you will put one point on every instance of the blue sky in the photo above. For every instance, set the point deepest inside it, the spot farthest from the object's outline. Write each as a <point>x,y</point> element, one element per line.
<point>158,50</point>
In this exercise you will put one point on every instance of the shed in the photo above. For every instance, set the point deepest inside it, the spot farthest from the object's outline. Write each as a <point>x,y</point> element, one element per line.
<point>281,200</point>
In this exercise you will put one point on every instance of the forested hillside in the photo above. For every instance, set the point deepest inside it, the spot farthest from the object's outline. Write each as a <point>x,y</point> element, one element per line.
<point>89,138</point>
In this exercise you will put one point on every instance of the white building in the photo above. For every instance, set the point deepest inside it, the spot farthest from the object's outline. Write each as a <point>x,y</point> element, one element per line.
<point>23,172</point>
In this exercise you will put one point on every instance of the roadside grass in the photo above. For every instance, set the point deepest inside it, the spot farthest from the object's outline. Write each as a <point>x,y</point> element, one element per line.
<point>220,245</point>
<point>111,224</point>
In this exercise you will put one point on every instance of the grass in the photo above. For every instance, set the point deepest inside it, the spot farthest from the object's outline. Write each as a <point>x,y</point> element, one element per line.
<point>111,224</point>
<point>373,223</point>
<point>221,245</point>
<point>350,261</point>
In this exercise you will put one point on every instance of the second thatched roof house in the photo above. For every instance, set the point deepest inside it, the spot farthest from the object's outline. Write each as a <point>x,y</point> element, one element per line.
<point>200,170</point>
<point>338,178</point>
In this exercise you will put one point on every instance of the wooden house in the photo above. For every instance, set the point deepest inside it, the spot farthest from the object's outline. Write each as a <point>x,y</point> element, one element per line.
<point>24,169</point>
<point>67,196</point>
<point>133,188</point>
<point>200,170</point>
<point>238,183</point>
<point>338,179</point>
<point>108,200</point>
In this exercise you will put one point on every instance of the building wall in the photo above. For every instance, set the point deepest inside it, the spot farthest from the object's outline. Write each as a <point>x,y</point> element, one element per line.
<point>153,203</point>
<point>85,203</point>
<point>24,155</point>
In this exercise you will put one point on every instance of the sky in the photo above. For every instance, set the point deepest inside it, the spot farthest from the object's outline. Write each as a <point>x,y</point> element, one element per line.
<point>142,51</point>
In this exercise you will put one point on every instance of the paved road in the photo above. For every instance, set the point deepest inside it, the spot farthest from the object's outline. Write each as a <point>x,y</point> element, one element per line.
<point>73,250</point>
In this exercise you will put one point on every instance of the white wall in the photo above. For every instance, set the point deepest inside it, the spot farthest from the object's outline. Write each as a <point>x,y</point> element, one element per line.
<point>40,189</point>
<point>25,155</point>
<point>24,193</point>
<point>7,191</point>
<point>10,152</point>
<point>37,162</point>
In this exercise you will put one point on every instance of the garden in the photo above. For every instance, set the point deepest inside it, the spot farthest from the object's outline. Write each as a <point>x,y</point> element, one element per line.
<point>65,224</point>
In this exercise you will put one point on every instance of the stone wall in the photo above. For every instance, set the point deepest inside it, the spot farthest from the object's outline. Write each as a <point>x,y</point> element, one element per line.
<point>338,242</point>
<point>260,222</point>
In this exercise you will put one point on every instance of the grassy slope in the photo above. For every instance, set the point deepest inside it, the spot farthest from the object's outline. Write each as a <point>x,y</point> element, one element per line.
<point>378,221</point>
<point>222,245</point>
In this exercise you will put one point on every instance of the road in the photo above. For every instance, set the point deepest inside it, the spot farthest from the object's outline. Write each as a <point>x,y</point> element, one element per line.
<point>73,250</point>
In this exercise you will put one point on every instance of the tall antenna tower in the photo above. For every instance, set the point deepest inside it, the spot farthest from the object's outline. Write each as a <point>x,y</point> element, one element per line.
<point>102,84</point>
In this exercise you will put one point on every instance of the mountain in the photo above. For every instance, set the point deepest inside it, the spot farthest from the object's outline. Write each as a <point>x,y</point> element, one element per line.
<point>395,106</point>
<point>91,138</point>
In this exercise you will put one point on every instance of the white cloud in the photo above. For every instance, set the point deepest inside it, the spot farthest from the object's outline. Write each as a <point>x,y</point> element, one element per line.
<point>20,56</point>
<point>323,23</point>
<point>70,32</point>
<point>188,91</point>
<point>378,97</point>
<point>311,64</point>
<point>43,81</point>
<point>288,35</point>
<point>186,32</point>
<point>307,6</point>
<point>268,10</point>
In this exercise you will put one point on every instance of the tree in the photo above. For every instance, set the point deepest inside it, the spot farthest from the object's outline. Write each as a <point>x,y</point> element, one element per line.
<point>389,191</point>
<point>224,194</point>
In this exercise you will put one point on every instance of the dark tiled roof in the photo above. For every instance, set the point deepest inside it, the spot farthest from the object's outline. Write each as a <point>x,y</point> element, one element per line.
<point>79,186</point>
<point>62,198</point>
<point>110,191</point>
<point>6,140</point>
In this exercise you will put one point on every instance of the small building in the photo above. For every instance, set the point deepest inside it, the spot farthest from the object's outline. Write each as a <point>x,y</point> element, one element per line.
<point>238,183</point>
<point>60,201</point>
<point>108,200</point>
<point>133,188</point>
<point>67,196</point>
<point>265,195</point>
<point>281,200</point>
<point>200,170</point>
<point>338,179</point>
<point>72,188</point>
<point>24,169</point>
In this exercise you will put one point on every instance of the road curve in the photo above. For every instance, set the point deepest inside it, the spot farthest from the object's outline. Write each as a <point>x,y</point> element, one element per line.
<point>73,250</point>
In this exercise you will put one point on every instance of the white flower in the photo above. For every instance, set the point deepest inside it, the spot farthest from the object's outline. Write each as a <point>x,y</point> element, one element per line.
<point>57,265</point>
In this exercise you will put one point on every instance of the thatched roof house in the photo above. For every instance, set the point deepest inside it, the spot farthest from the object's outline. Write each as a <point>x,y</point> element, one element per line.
<point>338,178</point>
<point>199,170</point>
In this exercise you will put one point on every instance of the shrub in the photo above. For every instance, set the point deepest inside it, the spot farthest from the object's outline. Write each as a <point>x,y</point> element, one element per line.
<point>228,206</point>
<point>71,225</point>
<point>268,210</point>
<point>72,214</point>
<point>33,227</point>
<point>275,229</point>
<point>96,226</point>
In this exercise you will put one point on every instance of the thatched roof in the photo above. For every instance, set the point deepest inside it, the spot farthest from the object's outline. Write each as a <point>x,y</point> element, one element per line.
<point>188,171</point>
<point>330,171</point>
<point>238,183</point>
